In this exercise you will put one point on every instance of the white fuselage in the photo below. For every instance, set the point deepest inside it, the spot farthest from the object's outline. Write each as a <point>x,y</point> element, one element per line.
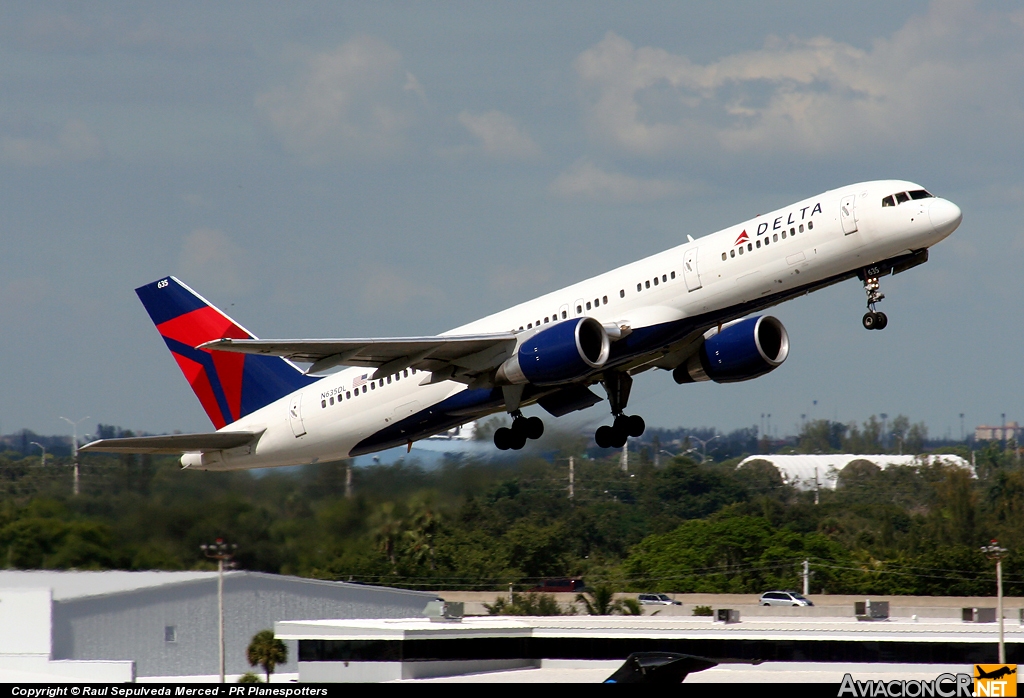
<point>797,246</point>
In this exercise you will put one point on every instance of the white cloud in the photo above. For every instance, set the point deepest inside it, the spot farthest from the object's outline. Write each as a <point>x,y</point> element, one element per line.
<point>210,259</point>
<point>353,101</point>
<point>499,135</point>
<point>585,180</point>
<point>953,66</point>
<point>74,142</point>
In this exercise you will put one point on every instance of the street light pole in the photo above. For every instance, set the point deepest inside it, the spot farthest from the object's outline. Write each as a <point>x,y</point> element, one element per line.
<point>220,551</point>
<point>994,552</point>
<point>36,443</point>
<point>74,447</point>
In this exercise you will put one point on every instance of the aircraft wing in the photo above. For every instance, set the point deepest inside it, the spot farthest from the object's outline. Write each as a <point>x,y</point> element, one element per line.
<point>173,443</point>
<point>448,357</point>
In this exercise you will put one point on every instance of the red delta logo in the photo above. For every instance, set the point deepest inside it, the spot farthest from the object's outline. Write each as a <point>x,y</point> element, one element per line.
<point>741,239</point>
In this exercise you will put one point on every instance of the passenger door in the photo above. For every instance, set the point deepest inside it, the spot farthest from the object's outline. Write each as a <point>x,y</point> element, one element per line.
<point>690,272</point>
<point>295,415</point>
<point>848,214</point>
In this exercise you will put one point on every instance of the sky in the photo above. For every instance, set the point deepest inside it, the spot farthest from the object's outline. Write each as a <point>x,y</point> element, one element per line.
<point>354,169</point>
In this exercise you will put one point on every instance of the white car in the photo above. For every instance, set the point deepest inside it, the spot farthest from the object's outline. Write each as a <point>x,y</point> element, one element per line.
<point>657,600</point>
<point>784,598</point>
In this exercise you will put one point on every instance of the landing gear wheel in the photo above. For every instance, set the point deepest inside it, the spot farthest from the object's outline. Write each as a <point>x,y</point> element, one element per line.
<point>534,427</point>
<point>636,426</point>
<point>518,440</point>
<point>870,321</point>
<point>519,427</point>
<point>503,438</point>
<point>881,321</point>
<point>619,437</point>
<point>604,437</point>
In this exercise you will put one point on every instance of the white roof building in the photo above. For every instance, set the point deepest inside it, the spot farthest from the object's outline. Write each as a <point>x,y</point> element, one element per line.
<point>805,472</point>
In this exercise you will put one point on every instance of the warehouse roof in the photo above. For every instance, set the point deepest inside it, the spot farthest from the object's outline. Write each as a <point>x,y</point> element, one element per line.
<point>801,470</point>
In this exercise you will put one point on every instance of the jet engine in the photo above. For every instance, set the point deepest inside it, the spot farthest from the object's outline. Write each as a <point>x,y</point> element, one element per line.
<point>747,349</point>
<point>558,354</point>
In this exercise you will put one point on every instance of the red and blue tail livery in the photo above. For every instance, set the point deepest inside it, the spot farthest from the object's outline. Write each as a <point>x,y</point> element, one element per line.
<point>229,386</point>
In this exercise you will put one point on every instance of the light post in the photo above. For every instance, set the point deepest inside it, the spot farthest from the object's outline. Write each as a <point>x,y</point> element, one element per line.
<point>74,447</point>
<point>994,552</point>
<point>704,446</point>
<point>220,551</point>
<point>36,443</point>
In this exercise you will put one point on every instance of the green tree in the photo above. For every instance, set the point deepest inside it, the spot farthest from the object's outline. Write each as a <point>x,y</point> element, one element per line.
<point>266,651</point>
<point>531,604</point>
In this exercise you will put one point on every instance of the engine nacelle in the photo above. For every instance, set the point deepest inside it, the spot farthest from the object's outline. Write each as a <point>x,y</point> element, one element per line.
<point>749,349</point>
<point>559,354</point>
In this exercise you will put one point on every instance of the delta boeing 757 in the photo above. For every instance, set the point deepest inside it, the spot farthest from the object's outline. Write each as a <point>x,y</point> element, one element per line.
<point>686,310</point>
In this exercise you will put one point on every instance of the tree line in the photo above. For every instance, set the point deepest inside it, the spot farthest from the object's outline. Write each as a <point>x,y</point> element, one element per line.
<point>673,524</point>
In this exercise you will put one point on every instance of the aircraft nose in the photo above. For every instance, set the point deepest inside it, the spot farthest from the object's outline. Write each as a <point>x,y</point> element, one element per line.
<point>945,216</point>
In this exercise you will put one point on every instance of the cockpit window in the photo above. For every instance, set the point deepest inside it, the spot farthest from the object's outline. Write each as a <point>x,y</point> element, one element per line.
<point>901,197</point>
<point>888,201</point>
<point>921,194</point>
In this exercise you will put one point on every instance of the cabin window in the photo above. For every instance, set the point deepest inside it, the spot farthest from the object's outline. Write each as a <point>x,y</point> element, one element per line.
<point>170,633</point>
<point>732,253</point>
<point>810,225</point>
<point>783,234</point>
<point>921,194</point>
<point>406,373</point>
<point>588,305</point>
<point>529,325</point>
<point>647,284</point>
<point>537,323</point>
<point>323,403</point>
<point>801,227</point>
<point>373,386</point>
<point>348,394</point>
<point>545,321</point>
<point>655,280</point>
<point>579,309</point>
<point>564,314</point>
<point>902,197</point>
<point>758,244</point>
<point>723,256</point>
<point>364,390</point>
<point>389,380</point>
<point>673,275</point>
<point>792,232</point>
<point>741,250</point>
<point>604,299</point>
<point>750,247</point>
<point>597,302</point>
<point>639,287</point>
<point>622,293</point>
<point>888,201</point>
<point>775,237</point>
<point>330,400</point>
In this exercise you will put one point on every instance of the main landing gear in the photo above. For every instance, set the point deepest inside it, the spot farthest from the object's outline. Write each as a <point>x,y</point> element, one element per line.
<point>617,386</point>
<point>522,429</point>
<point>873,320</point>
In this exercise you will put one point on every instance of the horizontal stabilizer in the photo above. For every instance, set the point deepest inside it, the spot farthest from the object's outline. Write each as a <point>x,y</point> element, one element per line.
<point>174,443</point>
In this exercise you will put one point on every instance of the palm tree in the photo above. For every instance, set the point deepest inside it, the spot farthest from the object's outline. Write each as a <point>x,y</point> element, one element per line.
<point>267,651</point>
<point>387,528</point>
<point>600,601</point>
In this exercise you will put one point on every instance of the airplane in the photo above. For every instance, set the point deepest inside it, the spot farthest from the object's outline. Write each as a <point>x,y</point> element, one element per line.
<point>687,310</point>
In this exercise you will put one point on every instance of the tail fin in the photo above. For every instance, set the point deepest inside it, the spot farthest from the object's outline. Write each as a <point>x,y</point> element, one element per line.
<point>228,385</point>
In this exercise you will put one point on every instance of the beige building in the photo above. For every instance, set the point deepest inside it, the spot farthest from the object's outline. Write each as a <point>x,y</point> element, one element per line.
<point>1010,431</point>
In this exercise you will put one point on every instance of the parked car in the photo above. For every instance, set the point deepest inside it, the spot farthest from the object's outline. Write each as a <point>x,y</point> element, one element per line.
<point>657,600</point>
<point>551,586</point>
<point>784,598</point>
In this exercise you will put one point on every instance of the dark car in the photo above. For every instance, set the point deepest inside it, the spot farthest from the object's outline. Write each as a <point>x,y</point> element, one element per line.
<point>563,584</point>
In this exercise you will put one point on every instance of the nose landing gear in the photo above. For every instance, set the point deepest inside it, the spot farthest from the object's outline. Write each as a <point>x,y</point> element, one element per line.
<point>617,385</point>
<point>873,319</point>
<point>516,436</point>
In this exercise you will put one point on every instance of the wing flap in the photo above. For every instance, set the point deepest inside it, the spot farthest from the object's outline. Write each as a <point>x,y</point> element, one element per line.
<point>173,443</point>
